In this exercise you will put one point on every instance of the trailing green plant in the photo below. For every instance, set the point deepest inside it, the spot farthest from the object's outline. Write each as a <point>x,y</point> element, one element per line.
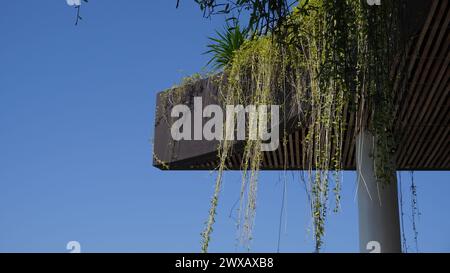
<point>415,213</point>
<point>327,57</point>
<point>379,41</point>
<point>402,214</point>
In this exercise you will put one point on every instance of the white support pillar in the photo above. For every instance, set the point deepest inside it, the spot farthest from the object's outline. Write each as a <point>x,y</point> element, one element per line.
<point>379,222</point>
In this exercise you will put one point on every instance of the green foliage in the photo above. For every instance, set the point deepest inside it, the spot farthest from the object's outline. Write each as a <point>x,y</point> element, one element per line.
<point>415,213</point>
<point>192,79</point>
<point>224,46</point>
<point>328,56</point>
<point>264,15</point>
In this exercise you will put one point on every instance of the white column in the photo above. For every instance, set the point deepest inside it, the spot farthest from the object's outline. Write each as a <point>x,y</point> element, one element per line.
<point>379,222</point>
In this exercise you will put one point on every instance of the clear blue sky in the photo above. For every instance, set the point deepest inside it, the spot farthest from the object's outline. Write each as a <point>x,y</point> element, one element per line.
<point>76,121</point>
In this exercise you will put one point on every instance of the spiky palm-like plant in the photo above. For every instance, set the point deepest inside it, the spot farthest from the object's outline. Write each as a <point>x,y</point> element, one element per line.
<point>224,46</point>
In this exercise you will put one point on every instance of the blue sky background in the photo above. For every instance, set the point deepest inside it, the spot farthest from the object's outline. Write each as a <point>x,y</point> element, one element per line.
<point>76,121</point>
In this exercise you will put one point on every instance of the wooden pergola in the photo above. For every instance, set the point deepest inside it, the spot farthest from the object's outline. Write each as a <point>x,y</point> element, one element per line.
<point>422,116</point>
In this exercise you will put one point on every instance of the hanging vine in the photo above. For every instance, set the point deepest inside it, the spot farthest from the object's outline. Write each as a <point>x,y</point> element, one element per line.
<point>326,57</point>
<point>414,210</point>
<point>402,214</point>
